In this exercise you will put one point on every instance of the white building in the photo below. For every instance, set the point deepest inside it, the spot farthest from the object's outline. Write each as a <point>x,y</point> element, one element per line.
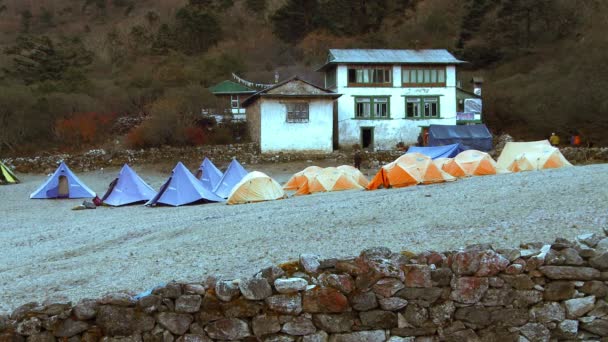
<point>390,96</point>
<point>293,115</point>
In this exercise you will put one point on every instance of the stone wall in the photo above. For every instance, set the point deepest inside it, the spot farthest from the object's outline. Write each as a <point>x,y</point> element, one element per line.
<point>538,292</point>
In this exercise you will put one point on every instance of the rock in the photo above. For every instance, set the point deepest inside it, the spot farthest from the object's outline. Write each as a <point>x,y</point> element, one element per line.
<point>85,309</point>
<point>590,239</point>
<point>600,309</point>
<point>491,263</point>
<point>176,323</point>
<point>442,313</point>
<point>310,263</point>
<point>600,261</point>
<point>290,304</point>
<point>193,337</point>
<point>415,315</point>
<point>498,297</point>
<point>150,304</point>
<point>226,290</point>
<point>571,257</point>
<point>114,320</point>
<point>602,245</point>
<point>342,282</point>
<point>228,329</point>
<point>570,272</point>
<point>596,288</point>
<point>465,263</point>
<point>468,290</point>
<point>70,327</point>
<point>265,324</point>
<point>598,327</point>
<point>568,328</point>
<point>467,335</point>
<point>241,308</point>
<point>548,312</point>
<point>559,290</point>
<point>188,303</point>
<point>535,332</point>
<point>360,336</point>
<point>510,317</point>
<point>334,323</point>
<point>424,333</point>
<point>579,306</point>
<point>290,285</point>
<point>518,281</point>
<point>299,326</point>
<point>392,303</point>
<point>255,288</point>
<point>428,295</point>
<point>364,301</point>
<point>514,269</point>
<point>194,289</point>
<point>417,276</point>
<point>526,298</point>
<point>29,326</point>
<point>324,300</point>
<point>41,337</point>
<point>441,276</point>
<point>271,274</point>
<point>387,287</point>
<point>319,336</point>
<point>118,299</point>
<point>477,315</point>
<point>378,319</point>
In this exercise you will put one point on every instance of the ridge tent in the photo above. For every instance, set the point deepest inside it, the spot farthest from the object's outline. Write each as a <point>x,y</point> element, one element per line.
<point>6,175</point>
<point>209,174</point>
<point>63,184</point>
<point>256,187</point>
<point>234,173</point>
<point>471,163</point>
<point>472,137</point>
<point>182,188</point>
<point>355,174</point>
<point>127,188</point>
<point>528,156</point>
<point>299,178</point>
<point>434,152</point>
<point>328,179</point>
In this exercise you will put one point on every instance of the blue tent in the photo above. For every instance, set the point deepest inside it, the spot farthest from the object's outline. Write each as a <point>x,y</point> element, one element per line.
<point>447,151</point>
<point>128,188</point>
<point>472,137</point>
<point>63,184</point>
<point>209,175</point>
<point>234,173</point>
<point>182,188</point>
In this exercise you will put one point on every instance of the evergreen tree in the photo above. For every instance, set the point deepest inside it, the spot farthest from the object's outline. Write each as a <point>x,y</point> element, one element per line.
<point>196,29</point>
<point>295,20</point>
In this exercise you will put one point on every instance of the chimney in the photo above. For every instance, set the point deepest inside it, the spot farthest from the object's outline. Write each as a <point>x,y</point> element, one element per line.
<point>477,84</point>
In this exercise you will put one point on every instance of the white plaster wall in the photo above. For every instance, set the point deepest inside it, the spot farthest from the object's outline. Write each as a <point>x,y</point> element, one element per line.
<point>278,135</point>
<point>388,132</point>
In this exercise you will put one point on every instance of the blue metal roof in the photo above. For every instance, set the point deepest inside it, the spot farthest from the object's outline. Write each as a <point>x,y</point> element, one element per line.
<point>387,56</point>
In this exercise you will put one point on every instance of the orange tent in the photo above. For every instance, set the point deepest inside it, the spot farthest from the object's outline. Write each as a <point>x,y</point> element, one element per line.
<point>409,169</point>
<point>328,179</point>
<point>355,173</point>
<point>471,163</point>
<point>299,179</point>
<point>441,161</point>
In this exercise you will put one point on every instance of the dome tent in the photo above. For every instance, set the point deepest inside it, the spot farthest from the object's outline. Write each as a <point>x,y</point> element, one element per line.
<point>299,178</point>
<point>355,174</point>
<point>407,170</point>
<point>328,179</point>
<point>528,156</point>
<point>255,187</point>
<point>470,163</point>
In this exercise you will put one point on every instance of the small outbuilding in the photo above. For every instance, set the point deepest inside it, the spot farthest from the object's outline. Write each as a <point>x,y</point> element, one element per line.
<point>293,115</point>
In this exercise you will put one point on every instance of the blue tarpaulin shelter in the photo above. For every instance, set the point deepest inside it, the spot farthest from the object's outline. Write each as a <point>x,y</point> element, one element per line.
<point>209,174</point>
<point>128,188</point>
<point>234,173</point>
<point>447,151</point>
<point>472,137</point>
<point>63,184</point>
<point>182,188</point>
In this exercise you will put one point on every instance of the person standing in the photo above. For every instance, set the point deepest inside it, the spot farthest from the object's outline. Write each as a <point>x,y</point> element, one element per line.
<point>554,139</point>
<point>357,159</point>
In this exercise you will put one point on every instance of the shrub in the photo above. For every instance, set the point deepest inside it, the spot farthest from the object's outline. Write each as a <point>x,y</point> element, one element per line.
<point>195,135</point>
<point>84,128</point>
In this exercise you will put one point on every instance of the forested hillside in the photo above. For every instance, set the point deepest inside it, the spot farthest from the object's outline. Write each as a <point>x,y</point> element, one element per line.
<point>71,68</point>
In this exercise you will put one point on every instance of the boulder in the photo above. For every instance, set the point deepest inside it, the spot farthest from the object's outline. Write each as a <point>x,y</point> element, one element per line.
<point>228,329</point>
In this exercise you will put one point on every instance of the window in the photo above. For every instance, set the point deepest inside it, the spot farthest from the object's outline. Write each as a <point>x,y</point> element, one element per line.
<point>422,107</point>
<point>330,78</point>
<point>234,102</point>
<point>377,76</point>
<point>297,112</point>
<point>423,76</point>
<point>372,107</point>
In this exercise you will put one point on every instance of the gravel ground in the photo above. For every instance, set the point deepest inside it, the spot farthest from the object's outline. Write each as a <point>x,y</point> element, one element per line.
<point>50,251</point>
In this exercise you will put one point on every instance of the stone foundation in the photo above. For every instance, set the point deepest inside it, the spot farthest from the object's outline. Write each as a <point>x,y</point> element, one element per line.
<point>538,292</point>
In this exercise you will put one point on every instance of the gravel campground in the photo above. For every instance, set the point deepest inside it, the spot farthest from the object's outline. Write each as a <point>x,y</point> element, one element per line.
<point>48,251</point>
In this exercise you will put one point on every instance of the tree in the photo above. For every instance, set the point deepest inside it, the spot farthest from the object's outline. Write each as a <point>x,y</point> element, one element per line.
<point>295,20</point>
<point>26,21</point>
<point>196,29</point>
<point>256,6</point>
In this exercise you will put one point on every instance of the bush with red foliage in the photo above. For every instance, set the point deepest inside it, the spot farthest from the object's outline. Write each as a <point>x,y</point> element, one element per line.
<point>84,128</point>
<point>195,135</point>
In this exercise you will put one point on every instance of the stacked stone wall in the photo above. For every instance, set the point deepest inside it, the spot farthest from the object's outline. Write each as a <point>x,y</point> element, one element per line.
<point>538,292</point>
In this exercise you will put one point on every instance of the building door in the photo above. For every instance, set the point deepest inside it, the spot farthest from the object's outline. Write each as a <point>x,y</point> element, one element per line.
<point>424,133</point>
<point>367,137</point>
<point>335,129</point>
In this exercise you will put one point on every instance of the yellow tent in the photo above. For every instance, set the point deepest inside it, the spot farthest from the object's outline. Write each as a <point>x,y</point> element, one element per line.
<point>328,179</point>
<point>355,173</point>
<point>6,175</point>
<point>528,156</point>
<point>255,187</point>
<point>470,163</point>
<point>299,179</point>
<point>409,169</point>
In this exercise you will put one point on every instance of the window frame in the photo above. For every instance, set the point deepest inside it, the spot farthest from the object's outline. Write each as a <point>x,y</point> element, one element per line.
<point>423,71</point>
<point>387,70</point>
<point>295,118</point>
<point>372,107</point>
<point>422,101</point>
<point>234,98</point>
